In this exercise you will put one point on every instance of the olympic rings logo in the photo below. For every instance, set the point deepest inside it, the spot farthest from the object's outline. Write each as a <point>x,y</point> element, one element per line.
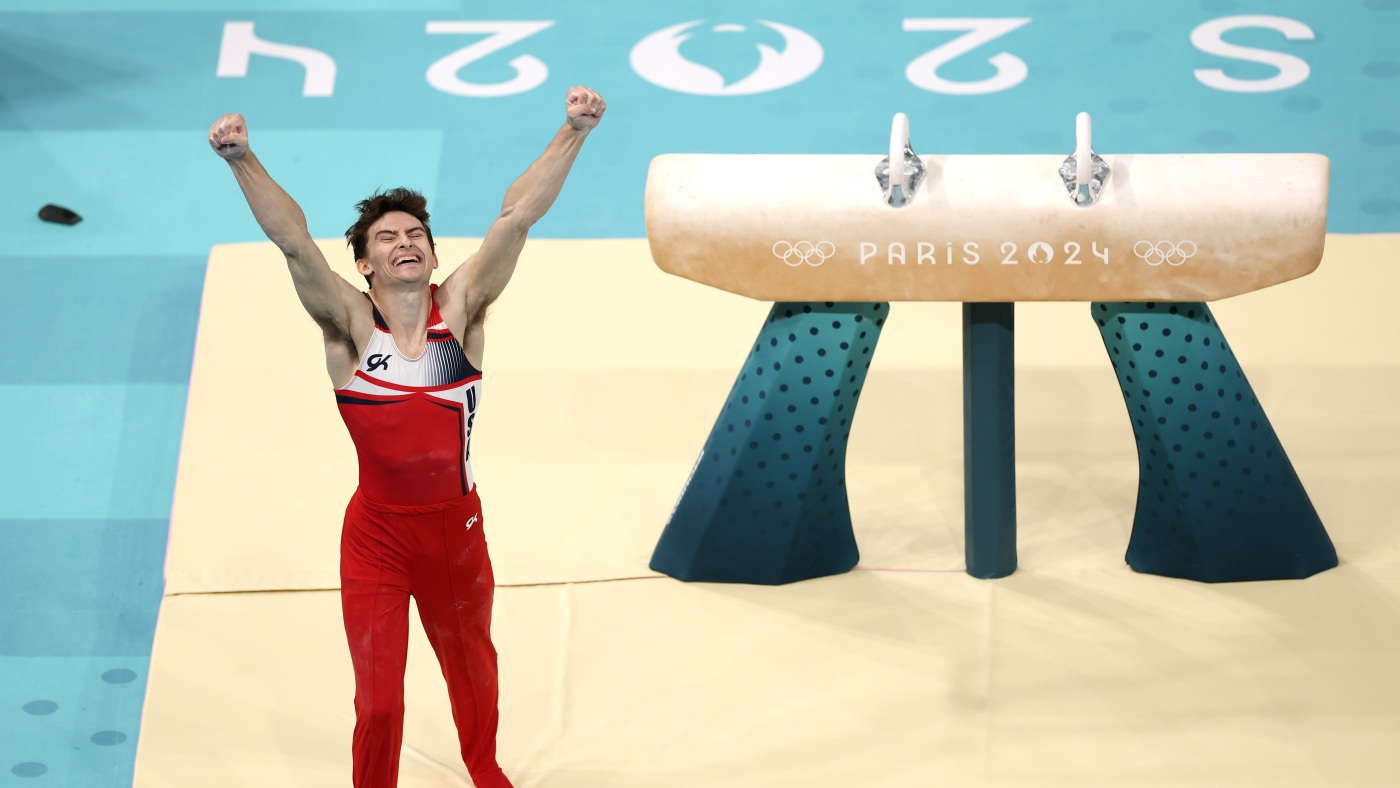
<point>1164,252</point>
<point>804,252</point>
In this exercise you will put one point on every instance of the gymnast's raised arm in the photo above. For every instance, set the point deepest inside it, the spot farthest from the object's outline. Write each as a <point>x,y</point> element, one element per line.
<point>327,297</point>
<point>321,290</point>
<point>471,288</point>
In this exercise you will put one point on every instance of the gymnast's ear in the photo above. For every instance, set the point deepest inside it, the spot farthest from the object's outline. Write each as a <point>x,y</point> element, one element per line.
<point>365,270</point>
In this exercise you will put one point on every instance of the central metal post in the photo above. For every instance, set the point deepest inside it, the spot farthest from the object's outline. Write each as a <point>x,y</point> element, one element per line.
<point>989,438</point>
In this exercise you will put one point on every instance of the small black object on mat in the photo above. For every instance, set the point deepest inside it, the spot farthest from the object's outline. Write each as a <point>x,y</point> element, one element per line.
<point>58,215</point>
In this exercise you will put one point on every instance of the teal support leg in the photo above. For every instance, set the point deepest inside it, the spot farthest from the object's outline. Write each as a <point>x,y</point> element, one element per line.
<point>989,439</point>
<point>1218,499</point>
<point>766,501</point>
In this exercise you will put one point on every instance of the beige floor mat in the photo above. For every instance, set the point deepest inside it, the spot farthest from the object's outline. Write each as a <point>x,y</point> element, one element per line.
<point>603,377</point>
<point>1068,678</point>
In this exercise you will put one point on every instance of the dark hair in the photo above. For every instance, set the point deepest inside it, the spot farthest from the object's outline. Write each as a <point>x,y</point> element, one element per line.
<point>378,204</point>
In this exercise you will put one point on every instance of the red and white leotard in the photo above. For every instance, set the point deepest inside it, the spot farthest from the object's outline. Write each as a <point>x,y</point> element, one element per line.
<point>411,418</point>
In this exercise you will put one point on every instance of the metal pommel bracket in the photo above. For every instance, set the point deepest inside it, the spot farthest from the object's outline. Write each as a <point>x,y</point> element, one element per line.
<point>899,183</point>
<point>1083,172</point>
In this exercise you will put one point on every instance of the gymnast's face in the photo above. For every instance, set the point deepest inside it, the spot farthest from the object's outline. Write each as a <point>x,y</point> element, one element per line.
<point>397,249</point>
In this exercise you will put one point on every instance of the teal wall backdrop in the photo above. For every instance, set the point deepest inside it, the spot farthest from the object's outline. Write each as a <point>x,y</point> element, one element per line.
<point>104,108</point>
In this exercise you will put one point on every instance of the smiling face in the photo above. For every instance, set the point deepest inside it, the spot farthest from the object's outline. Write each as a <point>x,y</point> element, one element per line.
<point>397,249</point>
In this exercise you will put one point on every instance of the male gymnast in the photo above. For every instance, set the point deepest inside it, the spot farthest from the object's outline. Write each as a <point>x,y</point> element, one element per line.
<point>405,359</point>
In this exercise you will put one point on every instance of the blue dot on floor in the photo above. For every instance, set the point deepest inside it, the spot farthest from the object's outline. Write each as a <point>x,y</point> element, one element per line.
<point>1381,207</point>
<point>1381,68</point>
<point>119,676</point>
<point>1302,104</point>
<point>108,738</point>
<point>40,707</point>
<point>1215,139</point>
<point>1131,37</point>
<point>1383,138</point>
<point>29,770</point>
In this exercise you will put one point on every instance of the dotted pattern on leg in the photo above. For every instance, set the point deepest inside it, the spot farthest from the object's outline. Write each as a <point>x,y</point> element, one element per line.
<point>766,501</point>
<point>1218,499</point>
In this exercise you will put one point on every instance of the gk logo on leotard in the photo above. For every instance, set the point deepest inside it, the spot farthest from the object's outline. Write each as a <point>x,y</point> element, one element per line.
<point>472,521</point>
<point>377,361</point>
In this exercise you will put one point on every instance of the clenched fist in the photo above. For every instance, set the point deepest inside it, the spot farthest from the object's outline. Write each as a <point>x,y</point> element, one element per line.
<point>583,107</point>
<point>229,136</point>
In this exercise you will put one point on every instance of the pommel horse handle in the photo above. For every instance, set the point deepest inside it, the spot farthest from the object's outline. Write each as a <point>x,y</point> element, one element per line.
<point>900,191</point>
<point>899,140</point>
<point>1083,148</point>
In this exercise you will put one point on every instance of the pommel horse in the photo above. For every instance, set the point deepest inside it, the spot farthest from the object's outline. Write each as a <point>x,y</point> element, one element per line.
<point>1146,239</point>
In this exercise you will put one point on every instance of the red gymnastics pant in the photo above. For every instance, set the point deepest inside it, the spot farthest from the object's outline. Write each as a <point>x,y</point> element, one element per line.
<point>437,555</point>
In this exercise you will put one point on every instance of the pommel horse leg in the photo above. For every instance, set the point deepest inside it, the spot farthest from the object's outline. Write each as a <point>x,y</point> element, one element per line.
<point>989,439</point>
<point>1218,499</point>
<point>766,502</point>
